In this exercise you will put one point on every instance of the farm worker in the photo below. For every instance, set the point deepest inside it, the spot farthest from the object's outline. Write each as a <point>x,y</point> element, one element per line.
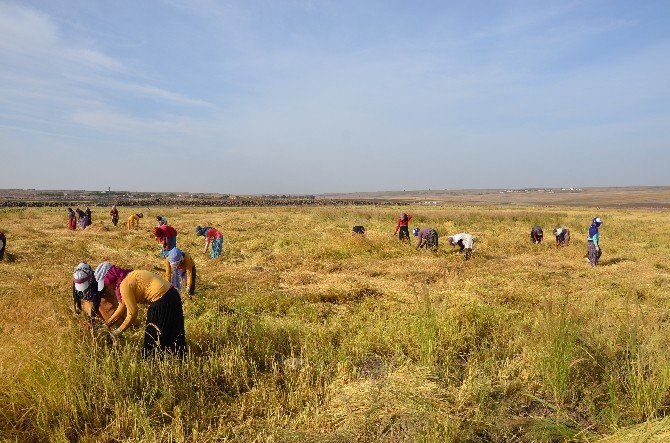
<point>114,214</point>
<point>428,237</point>
<point>72,219</point>
<point>536,234</point>
<point>403,227</point>
<point>562,236</point>
<point>165,317</point>
<point>162,221</point>
<point>594,251</point>
<point>213,237</point>
<point>134,221</point>
<point>360,230</point>
<point>85,289</point>
<point>179,267</point>
<point>3,245</point>
<point>167,236</point>
<point>89,220</point>
<point>464,241</point>
<point>82,218</point>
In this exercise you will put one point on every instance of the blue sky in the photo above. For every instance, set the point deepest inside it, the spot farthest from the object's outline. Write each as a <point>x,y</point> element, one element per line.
<point>302,96</point>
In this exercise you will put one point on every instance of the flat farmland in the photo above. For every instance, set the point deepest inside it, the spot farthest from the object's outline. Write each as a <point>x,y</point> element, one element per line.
<point>302,332</point>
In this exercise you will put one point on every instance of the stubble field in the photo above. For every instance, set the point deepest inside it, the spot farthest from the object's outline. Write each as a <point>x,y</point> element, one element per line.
<point>301,332</point>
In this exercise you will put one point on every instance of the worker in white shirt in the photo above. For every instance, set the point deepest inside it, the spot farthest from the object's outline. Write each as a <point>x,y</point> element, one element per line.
<point>464,241</point>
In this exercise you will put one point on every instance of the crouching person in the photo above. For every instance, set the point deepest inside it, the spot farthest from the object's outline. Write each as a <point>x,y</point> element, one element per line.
<point>165,317</point>
<point>3,245</point>
<point>464,242</point>
<point>428,237</point>
<point>562,236</point>
<point>536,234</point>
<point>180,268</point>
<point>358,230</point>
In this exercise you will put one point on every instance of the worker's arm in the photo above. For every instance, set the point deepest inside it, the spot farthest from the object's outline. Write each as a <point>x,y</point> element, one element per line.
<point>131,313</point>
<point>207,240</point>
<point>396,228</point>
<point>120,311</point>
<point>77,300</point>
<point>189,278</point>
<point>168,270</point>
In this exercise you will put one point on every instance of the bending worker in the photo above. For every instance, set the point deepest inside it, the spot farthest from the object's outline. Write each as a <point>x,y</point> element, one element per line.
<point>562,236</point>
<point>536,234</point>
<point>464,241</point>
<point>179,269</point>
<point>134,221</point>
<point>165,317</point>
<point>427,237</point>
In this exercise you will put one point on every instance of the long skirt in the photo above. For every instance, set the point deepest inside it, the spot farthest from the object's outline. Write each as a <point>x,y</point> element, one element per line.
<point>432,240</point>
<point>83,222</point>
<point>115,220</point>
<point>216,246</point>
<point>2,246</point>
<point>593,253</point>
<point>403,233</point>
<point>72,223</point>
<point>179,276</point>
<point>165,326</point>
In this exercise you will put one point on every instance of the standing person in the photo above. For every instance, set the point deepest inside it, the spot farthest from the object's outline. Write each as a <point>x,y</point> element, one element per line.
<point>167,236</point>
<point>213,237</point>
<point>463,241</point>
<point>72,219</point>
<point>594,251</point>
<point>360,230</point>
<point>403,226</point>
<point>134,221</point>
<point>562,236</point>
<point>180,267</point>
<point>114,214</point>
<point>3,245</point>
<point>536,234</point>
<point>428,237</point>
<point>164,329</point>
<point>162,221</point>
<point>89,221</point>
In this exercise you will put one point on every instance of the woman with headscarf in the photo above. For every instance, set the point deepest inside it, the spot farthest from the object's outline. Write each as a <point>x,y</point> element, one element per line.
<point>464,242</point>
<point>427,237</point>
<point>161,220</point>
<point>164,330</point>
<point>72,219</point>
<point>167,236</point>
<point>134,221</point>
<point>536,234</point>
<point>180,267</point>
<point>114,214</point>
<point>562,236</point>
<point>403,226</point>
<point>213,237</point>
<point>86,292</point>
<point>594,252</point>
<point>82,218</point>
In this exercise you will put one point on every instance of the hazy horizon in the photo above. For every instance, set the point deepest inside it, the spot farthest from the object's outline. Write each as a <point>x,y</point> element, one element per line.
<point>314,97</point>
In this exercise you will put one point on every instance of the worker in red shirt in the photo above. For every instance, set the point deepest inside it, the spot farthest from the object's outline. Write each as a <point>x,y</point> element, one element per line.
<point>402,228</point>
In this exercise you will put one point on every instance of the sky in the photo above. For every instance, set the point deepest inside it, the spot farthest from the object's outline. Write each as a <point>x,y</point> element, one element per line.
<point>309,97</point>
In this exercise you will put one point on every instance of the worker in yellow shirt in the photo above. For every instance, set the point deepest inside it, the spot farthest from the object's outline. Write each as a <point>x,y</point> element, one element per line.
<point>179,267</point>
<point>134,221</point>
<point>165,316</point>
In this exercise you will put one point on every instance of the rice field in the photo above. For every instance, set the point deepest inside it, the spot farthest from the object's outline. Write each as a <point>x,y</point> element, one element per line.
<point>302,332</point>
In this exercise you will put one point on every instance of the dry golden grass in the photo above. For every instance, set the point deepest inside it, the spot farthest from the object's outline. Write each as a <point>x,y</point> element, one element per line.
<point>301,332</point>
